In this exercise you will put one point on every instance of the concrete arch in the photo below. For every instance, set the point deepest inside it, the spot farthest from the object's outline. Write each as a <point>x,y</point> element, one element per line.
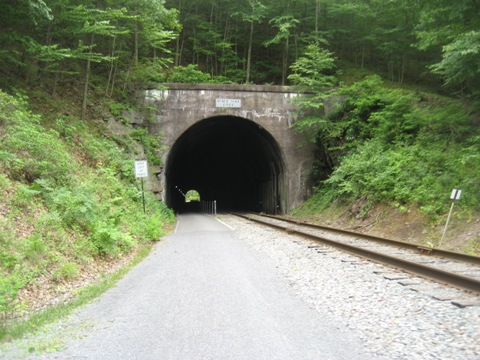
<point>184,113</point>
<point>228,159</point>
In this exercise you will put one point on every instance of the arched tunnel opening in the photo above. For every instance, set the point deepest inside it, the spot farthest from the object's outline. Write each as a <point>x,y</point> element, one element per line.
<point>230,160</point>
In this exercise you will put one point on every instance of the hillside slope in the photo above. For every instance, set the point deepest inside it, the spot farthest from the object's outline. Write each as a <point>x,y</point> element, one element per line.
<point>395,153</point>
<point>70,207</point>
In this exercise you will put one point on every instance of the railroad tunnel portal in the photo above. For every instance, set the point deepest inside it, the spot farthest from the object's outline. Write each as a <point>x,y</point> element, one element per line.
<point>231,143</point>
<point>228,159</point>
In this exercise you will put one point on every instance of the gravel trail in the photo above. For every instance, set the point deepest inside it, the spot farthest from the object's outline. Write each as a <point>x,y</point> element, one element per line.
<point>205,292</point>
<point>392,321</point>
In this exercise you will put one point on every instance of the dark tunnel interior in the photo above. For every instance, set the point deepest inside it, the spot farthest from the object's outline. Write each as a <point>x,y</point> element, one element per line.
<point>228,159</point>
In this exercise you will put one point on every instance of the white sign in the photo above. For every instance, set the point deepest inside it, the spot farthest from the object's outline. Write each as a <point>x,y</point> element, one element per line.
<point>228,103</point>
<point>141,169</point>
<point>455,194</point>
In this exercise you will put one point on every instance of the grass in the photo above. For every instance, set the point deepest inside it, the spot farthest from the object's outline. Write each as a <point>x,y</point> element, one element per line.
<point>16,329</point>
<point>68,196</point>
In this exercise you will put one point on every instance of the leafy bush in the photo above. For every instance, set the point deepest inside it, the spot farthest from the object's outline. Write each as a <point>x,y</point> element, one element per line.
<point>9,287</point>
<point>314,69</point>
<point>67,271</point>
<point>29,151</point>
<point>152,144</point>
<point>150,227</point>
<point>188,74</point>
<point>148,73</point>
<point>69,195</point>
<point>108,239</point>
<point>400,147</point>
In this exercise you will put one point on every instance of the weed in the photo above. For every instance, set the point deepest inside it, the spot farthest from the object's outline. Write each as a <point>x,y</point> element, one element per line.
<point>9,287</point>
<point>70,190</point>
<point>17,329</point>
<point>386,145</point>
<point>67,271</point>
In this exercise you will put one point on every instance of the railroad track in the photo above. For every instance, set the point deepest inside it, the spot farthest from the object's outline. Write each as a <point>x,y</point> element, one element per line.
<point>454,269</point>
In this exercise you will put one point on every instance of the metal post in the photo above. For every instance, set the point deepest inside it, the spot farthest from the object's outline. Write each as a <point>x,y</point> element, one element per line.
<point>454,196</point>
<point>143,197</point>
<point>446,224</point>
<point>215,207</point>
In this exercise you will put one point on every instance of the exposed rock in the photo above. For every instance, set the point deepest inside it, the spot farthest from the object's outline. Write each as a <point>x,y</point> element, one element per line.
<point>133,116</point>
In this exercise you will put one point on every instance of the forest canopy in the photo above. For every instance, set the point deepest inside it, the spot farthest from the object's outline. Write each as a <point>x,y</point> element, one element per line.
<point>405,73</point>
<point>114,47</point>
<point>124,42</point>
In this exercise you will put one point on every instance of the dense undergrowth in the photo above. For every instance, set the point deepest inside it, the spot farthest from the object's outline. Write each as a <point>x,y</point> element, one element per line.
<point>390,145</point>
<point>68,197</point>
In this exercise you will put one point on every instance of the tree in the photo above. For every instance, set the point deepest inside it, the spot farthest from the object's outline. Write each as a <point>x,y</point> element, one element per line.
<point>255,15</point>
<point>285,25</point>
<point>460,63</point>
<point>314,73</point>
<point>315,69</point>
<point>18,19</point>
<point>452,28</point>
<point>96,22</point>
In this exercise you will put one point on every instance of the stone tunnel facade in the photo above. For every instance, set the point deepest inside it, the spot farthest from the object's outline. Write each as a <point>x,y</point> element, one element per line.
<point>268,110</point>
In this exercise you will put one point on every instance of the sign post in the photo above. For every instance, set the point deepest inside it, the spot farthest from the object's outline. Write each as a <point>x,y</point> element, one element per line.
<point>141,171</point>
<point>454,196</point>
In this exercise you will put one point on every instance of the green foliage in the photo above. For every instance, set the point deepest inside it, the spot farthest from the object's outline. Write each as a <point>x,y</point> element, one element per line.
<point>392,145</point>
<point>149,228</point>
<point>17,329</point>
<point>152,144</point>
<point>8,296</point>
<point>451,29</point>
<point>133,42</point>
<point>319,201</point>
<point>461,59</point>
<point>313,72</point>
<point>71,193</point>
<point>192,195</point>
<point>108,239</point>
<point>67,271</point>
<point>285,25</point>
<point>25,159</point>
<point>314,69</point>
<point>188,74</point>
<point>78,208</point>
<point>116,108</point>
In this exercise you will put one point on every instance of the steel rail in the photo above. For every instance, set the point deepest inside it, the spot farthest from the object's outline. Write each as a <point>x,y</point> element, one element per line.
<point>442,276</point>
<point>423,249</point>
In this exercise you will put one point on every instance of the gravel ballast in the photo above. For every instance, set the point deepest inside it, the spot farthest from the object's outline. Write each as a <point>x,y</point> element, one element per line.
<point>394,320</point>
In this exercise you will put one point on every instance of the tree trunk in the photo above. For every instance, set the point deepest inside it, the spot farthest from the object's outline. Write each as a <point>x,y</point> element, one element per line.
<point>87,78</point>
<point>126,79</point>
<point>112,87</point>
<point>182,44</point>
<point>135,54</point>
<point>249,53</point>
<point>402,69</point>
<point>110,73</point>
<point>85,90</point>
<point>391,73</point>
<point>179,45</point>
<point>363,56</point>
<point>55,81</point>
<point>48,42</point>
<point>285,61</point>
<point>250,41</point>
<point>177,51</point>
<point>223,64</point>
